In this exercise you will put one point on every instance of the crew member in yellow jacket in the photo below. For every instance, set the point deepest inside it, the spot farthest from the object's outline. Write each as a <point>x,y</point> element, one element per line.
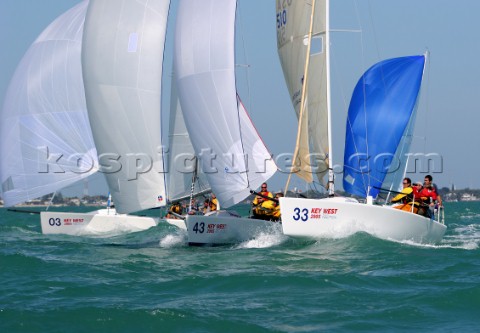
<point>214,203</point>
<point>405,197</point>
<point>274,213</point>
<point>261,204</point>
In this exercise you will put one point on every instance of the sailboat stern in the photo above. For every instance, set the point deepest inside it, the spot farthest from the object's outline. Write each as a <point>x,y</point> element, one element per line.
<point>223,227</point>
<point>342,217</point>
<point>103,222</point>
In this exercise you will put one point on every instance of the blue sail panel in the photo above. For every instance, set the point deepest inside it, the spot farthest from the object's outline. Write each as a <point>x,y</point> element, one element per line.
<point>382,103</point>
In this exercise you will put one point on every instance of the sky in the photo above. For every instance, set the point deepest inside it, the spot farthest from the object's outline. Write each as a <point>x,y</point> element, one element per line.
<point>448,111</point>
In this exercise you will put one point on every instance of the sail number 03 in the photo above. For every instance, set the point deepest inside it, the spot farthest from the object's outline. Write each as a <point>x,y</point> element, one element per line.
<point>300,214</point>
<point>54,222</point>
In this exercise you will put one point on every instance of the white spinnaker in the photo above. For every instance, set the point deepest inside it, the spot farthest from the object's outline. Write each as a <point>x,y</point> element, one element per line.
<point>293,24</point>
<point>122,60</point>
<point>205,69</point>
<point>46,141</point>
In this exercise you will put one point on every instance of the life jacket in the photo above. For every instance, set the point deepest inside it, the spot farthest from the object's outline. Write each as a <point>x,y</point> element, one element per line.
<point>408,208</point>
<point>213,204</point>
<point>405,196</point>
<point>276,211</point>
<point>429,194</point>
<point>265,194</point>
<point>176,209</point>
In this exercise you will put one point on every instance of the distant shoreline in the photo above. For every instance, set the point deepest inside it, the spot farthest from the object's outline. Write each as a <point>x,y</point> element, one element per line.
<point>463,195</point>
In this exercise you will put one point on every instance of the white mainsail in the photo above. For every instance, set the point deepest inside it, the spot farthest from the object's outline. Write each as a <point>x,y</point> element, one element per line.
<point>205,71</point>
<point>122,59</point>
<point>294,21</point>
<point>182,165</point>
<point>46,141</point>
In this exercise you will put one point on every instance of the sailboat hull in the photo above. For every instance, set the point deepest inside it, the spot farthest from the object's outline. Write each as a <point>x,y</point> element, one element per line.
<point>97,223</point>
<point>342,217</point>
<point>222,228</point>
<point>179,223</point>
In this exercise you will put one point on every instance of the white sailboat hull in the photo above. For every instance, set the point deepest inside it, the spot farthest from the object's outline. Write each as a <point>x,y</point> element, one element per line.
<point>221,228</point>
<point>342,217</point>
<point>99,222</point>
<point>179,223</point>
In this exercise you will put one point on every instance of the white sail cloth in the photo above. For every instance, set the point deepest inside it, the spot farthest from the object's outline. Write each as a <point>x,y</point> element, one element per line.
<point>122,60</point>
<point>182,161</point>
<point>46,141</point>
<point>293,27</point>
<point>204,63</point>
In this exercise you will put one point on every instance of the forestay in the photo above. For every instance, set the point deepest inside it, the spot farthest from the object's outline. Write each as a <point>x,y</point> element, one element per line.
<point>46,141</point>
<point>221,133</point>
<point>122,66</point>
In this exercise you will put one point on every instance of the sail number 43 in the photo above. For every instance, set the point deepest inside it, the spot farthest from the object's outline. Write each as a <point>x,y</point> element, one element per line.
<point>199,228</point>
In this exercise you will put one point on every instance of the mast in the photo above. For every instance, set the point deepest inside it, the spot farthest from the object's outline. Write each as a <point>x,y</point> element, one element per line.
<point>331,176</point>
<point>194,178</point>
<point>304,90</point>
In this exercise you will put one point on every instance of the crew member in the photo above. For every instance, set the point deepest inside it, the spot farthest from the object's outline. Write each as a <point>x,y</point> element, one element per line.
<point>405,197</point>
<point>261,204</point>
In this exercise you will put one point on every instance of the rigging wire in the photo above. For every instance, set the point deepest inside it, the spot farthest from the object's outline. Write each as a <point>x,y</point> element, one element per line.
<point>362,62</point>
<point>238,19</point>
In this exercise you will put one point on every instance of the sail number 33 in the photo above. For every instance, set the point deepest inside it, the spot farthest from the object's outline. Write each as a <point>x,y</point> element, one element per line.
<point>300,214</point>
<point>303,214</point>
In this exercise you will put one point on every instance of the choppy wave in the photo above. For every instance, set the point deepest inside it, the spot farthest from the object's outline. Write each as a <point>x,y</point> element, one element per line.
<point>153,281</point>
<point>173,240</point>
<point>265,239</point>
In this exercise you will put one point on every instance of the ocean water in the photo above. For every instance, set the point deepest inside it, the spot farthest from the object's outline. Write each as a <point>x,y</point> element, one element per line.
<point>151,281</point>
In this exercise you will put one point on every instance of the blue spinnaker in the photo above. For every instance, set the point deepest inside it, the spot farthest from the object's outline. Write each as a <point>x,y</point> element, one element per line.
<point>382,104</point>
